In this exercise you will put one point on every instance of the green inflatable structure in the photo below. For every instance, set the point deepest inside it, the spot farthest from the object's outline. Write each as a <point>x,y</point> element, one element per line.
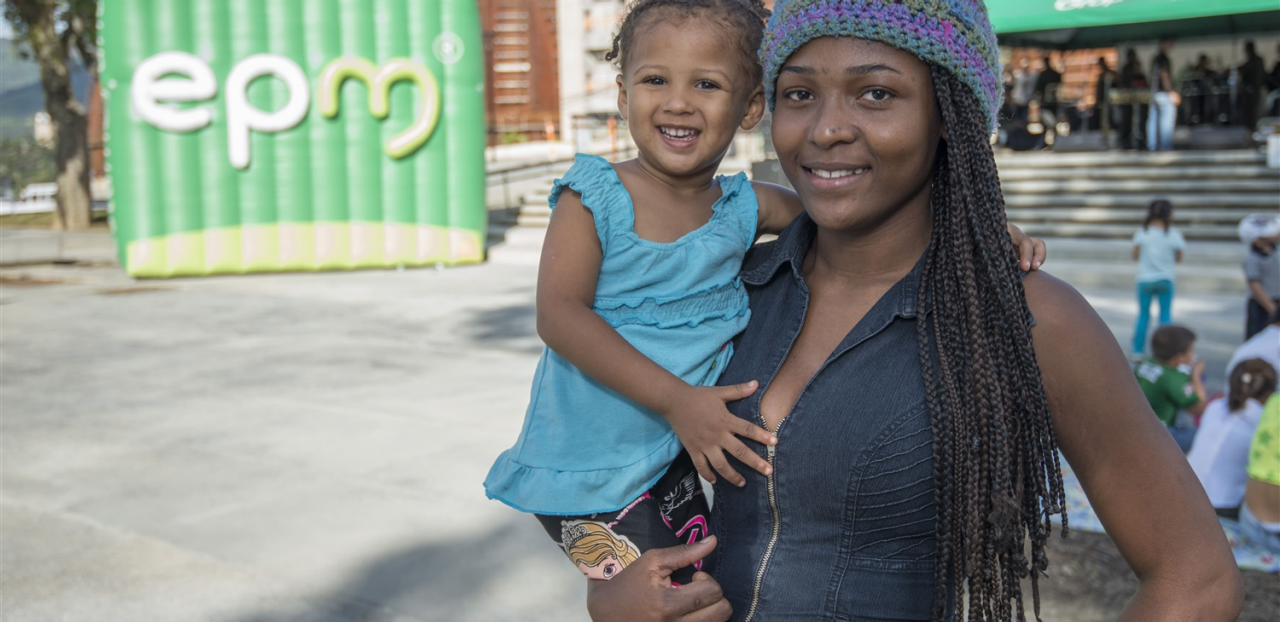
<point>283,135</point>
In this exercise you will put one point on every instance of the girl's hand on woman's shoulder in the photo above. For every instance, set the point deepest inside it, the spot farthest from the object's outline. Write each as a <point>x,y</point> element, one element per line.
<point>1031,251</point>
<point>642,592</point>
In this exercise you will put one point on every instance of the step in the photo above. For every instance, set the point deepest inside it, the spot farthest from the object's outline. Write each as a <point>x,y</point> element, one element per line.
<point>1189,279</point>
<point>1094,185</point>
<point>1256,202</point>
<point>1204,253</point>
<point>533,221</point>
<point>1127,158</point>
<point>1012,172</point>
<point>1097,230</point>
<point>1133,215</point>
<point>520,246</point>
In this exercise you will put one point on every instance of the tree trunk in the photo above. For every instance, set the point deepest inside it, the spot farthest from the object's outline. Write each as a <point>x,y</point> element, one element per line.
<point>74,202</point>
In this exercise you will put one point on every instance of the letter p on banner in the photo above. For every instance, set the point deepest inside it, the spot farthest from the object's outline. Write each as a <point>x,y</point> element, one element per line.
<point>237,143</point>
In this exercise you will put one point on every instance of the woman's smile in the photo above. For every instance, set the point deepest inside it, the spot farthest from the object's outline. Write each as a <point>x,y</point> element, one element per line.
<point>830,176</point>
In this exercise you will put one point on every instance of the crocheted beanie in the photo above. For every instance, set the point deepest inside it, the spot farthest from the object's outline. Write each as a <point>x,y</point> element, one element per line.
<point>955,34</point>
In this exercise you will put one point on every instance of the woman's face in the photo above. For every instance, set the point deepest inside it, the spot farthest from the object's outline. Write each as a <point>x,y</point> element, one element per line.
<point>856,129</point>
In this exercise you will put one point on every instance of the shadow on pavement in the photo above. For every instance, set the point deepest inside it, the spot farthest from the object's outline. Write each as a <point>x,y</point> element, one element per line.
<point>509,572</point>
<point>513,327</point>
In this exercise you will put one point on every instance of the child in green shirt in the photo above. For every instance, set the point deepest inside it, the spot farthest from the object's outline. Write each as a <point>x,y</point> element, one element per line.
<point>1171,380</point>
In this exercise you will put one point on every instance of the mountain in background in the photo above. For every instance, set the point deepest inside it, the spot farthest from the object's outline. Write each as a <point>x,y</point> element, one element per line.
<point>20,94</point>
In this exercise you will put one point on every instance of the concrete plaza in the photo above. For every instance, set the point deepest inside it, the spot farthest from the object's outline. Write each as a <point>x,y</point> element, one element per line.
<point>300,447</point>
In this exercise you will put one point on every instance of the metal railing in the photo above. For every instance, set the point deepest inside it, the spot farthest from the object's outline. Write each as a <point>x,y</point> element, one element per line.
<point>510,177</point>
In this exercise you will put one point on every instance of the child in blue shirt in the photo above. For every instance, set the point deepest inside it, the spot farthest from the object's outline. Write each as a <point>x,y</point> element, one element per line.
<point>639,299</point>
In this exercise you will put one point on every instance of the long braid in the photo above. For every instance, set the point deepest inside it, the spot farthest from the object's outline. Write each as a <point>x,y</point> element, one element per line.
<point>996,471</point>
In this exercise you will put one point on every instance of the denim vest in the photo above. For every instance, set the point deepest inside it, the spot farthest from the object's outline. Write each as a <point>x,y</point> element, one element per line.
<point>845,529</point>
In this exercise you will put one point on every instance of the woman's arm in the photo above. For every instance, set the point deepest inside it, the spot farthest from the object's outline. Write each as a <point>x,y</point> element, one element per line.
<point>1137,480</point>
<point>567,275</point>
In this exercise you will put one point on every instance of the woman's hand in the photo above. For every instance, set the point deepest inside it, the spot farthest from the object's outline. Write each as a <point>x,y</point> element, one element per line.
<point>642,592</point>
<point>708,430</point>
<point>1031,251</point>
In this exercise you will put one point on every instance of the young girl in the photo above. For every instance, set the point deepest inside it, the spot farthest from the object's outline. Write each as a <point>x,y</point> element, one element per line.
<point>1156,248</point>
<point>1220,453</point>
<point>639,298</point>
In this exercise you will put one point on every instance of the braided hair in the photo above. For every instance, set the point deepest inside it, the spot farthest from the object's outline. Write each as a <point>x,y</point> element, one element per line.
<point>996,469</point>
<point>742,20</point>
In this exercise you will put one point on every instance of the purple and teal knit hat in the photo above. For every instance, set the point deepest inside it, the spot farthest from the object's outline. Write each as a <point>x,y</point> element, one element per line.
<point>955,34</point>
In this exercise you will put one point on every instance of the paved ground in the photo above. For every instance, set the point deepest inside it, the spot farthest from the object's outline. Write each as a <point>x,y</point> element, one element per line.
<point>290,447</point>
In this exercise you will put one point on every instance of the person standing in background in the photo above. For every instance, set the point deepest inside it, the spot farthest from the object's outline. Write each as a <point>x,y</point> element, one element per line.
<point>1103,110</point>
<point>1046,87</point>
<point>1273,82</point>
<point>1253,86</point>
<point>1165,100</point>
<point>1157,247</point>
<point>1131,79</point>
<point>1261,270</point>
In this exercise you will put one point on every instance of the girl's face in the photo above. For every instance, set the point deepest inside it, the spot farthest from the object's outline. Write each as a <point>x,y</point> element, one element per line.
<point>856,129</point>
<point>605,570</point>
<point>684,93</point>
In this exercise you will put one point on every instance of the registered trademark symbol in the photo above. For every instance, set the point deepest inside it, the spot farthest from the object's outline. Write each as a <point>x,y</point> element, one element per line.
<point>449,48</point>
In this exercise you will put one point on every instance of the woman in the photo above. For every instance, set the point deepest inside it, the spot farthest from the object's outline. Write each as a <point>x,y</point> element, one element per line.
<point>1220,453</point>
<point>1157,246</point>
<point>892,336</point>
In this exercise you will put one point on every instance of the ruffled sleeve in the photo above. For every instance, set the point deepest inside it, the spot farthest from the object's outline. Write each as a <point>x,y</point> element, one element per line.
<point>602,192</point>
<point>739,198</point>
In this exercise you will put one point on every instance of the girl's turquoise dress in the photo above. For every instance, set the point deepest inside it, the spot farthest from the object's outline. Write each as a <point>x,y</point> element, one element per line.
<point>585,448</point>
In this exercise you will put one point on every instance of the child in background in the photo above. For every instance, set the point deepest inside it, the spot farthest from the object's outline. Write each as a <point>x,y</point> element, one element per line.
<point>1157,246</point>
<point>1260,512</point>
<point>1220,452</point>
<point>1171,380</point>
<point>639,299</point>
<point>1261,269</point>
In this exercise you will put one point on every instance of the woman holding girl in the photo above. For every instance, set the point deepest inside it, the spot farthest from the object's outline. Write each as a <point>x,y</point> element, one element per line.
<point>918,383</point>
<point>639,298</point>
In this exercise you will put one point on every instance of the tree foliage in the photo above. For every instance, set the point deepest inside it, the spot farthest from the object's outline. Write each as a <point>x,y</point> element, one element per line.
<point>25,161</point>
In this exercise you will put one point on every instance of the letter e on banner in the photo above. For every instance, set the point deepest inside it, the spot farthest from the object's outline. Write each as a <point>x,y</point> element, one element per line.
<point>151,89</point>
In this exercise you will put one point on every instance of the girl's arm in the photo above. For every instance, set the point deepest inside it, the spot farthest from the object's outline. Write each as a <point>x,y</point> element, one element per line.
<point>778,206</point>
<point>567,276</point>
<point>1137,480</point>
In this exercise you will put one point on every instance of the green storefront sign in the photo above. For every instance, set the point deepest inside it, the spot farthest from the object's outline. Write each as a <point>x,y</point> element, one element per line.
<point>269,135</point>
<point>1103,23</point>
<point>1026,15</point>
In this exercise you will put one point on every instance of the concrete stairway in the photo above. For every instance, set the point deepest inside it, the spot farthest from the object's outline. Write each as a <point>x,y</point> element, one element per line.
<point>1208,267</point>
<point>1105,195</point>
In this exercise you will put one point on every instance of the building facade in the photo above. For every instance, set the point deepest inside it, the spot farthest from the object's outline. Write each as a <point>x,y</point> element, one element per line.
<point>522,69</point>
